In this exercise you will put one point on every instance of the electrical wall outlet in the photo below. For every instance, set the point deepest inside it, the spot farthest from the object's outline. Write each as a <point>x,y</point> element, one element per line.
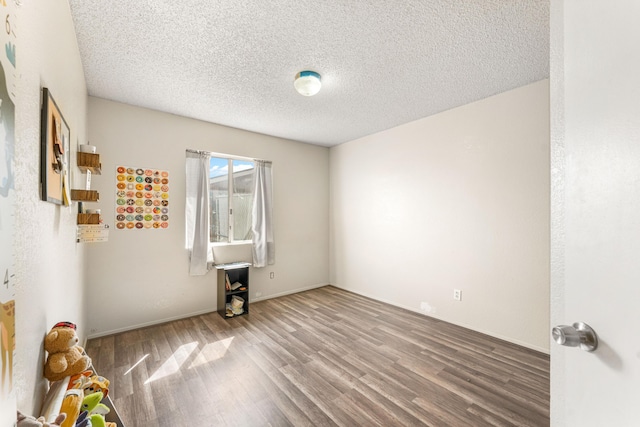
<point>457,294</point>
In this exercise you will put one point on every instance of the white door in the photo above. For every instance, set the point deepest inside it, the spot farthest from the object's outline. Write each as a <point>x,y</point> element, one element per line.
<point>595,217</point>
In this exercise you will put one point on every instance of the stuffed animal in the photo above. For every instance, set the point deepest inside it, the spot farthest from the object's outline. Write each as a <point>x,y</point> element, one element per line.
<point>29,421</point>
<point>80,380</point>
<point>97,420</point>
<point>91,401</point>
<point>65,356</point>
<point>71,405</point>
<point>83,420</point>
<point>95,384</point>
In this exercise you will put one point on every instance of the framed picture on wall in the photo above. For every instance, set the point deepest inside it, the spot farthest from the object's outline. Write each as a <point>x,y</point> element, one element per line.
<point>54,151</point>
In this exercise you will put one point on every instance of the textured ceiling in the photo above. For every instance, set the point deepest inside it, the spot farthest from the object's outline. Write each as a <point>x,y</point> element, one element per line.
<point>383,62</point>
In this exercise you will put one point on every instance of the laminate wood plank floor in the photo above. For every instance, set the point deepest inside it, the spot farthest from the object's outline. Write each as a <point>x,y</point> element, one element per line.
<point>324,357</point>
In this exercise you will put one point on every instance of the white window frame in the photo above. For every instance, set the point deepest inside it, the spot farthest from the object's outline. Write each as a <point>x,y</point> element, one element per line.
<point>230,219</point>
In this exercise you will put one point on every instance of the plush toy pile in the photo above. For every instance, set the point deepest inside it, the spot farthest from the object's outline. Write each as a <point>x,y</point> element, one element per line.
<point>81,405</point>
<point>82,401</point>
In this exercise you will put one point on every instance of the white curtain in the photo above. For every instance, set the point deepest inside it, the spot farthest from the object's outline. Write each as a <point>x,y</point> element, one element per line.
<point>197,213</point>
<point>262,225</point>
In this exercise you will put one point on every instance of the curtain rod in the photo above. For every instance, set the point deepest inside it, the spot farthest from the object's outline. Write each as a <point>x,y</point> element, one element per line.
<point>190,150</point>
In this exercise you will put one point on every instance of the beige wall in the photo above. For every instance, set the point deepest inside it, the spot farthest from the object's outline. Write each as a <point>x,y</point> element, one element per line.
<point>459,200</point>
<point>140,277</point>
<point>49,264</point>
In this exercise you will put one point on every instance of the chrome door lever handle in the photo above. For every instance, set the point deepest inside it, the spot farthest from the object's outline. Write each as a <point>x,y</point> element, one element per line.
<point>579,335</point>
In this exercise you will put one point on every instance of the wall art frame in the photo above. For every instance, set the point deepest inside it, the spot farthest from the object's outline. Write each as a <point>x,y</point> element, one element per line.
<point>54,151</point>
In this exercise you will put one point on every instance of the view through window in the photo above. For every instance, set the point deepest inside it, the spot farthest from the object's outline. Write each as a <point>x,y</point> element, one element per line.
<point>230,191</point>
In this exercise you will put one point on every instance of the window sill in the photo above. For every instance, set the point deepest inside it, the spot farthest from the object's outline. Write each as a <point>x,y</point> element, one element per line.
<point>224,253</point>
<point>236,243</point>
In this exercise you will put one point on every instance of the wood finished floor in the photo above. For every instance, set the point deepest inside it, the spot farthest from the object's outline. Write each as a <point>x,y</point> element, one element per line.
<point>324,357</point>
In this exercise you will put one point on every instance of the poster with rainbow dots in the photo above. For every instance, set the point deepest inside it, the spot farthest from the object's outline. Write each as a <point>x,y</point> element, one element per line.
<point>142,198</point>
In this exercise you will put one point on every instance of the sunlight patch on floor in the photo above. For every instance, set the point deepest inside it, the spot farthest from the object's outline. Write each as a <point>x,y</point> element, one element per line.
<point>212,351</point>
<point>173,363</point>
<point>137,363</point>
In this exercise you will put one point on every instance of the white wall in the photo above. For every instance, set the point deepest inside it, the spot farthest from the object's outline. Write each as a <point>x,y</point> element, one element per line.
<point>140,277</point>
<point>595,64</point>
<point>459,200</point>
<point>49,264</point>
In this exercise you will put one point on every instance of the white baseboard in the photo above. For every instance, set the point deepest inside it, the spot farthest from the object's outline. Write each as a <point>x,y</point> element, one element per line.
<point>145,324</point>
<point>195,313</point>
<point>491,334</point>
<point>308,288</point>
<point>295,291</point>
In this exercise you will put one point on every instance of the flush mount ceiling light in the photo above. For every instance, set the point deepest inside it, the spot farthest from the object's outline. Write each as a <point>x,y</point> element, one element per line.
<point>307,83</point>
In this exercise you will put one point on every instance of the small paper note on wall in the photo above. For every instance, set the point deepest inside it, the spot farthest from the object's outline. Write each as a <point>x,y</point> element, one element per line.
<point>92,233</point>
<point>142,198</point>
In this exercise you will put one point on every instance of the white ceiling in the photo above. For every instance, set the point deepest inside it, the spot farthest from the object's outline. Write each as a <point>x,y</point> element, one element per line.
<point>383,62</point>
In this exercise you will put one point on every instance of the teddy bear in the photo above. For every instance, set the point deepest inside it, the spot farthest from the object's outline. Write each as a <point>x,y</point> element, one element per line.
<point>65,357</point>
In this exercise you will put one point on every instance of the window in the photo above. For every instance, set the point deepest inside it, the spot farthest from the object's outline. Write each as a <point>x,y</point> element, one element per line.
<point>230,192</point>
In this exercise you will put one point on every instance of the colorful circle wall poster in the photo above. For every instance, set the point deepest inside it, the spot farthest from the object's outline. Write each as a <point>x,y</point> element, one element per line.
<point>142,198</point>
